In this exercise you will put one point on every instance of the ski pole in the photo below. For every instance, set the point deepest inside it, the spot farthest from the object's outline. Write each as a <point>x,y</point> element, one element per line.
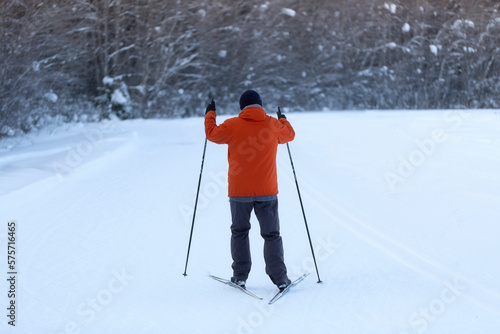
<point>195,205</point>
<point>302,206</point>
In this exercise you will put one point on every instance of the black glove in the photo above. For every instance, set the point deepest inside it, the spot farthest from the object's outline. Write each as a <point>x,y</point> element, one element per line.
<point>210,107</point>
<point>280,115</point>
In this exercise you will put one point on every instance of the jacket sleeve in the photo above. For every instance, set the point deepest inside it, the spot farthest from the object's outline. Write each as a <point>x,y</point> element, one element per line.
<point>285,131</point>
<point>217,134</point>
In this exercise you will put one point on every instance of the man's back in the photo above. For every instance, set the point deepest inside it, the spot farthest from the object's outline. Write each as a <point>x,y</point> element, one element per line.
<point>252,140</point>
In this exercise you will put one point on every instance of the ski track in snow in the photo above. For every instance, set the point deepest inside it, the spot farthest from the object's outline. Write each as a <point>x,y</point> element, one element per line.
<point>114,230</point>
<point>488,298</point>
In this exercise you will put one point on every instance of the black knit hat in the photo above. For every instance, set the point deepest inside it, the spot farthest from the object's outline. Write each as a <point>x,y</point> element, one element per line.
<point>249,97</point>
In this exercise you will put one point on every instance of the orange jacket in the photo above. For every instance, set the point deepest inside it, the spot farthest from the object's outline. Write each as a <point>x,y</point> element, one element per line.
<point>252,139</point>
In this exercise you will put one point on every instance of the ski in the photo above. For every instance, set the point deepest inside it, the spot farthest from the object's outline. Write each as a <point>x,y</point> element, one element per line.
<point>284,292</point>
<point>236,286</point>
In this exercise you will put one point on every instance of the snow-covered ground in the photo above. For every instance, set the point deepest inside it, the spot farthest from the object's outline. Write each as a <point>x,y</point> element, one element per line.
<point>403,209</point>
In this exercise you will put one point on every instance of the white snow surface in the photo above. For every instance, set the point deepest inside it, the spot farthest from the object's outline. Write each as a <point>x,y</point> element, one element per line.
<point>104,212</point>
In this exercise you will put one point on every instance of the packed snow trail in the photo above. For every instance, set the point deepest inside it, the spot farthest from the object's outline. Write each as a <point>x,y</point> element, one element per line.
<point>104,213</point>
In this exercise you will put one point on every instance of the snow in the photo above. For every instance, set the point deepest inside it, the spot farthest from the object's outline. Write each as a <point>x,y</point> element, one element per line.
<point>289,12</point>
<point>391,45</point>
<point>202,13</point>
<point>469,23</point>
<point>365,73</point>
<point>108,81</point>
<point>104,214</point>
<point>140,88</point>
<point>7,130</point>
<point>458,24</point>
<point>434,49</point>
<point>223,53</point>
<point>391,7</point>
<point>117,98</point>
<point>51,97</point>
<point>406,27</point>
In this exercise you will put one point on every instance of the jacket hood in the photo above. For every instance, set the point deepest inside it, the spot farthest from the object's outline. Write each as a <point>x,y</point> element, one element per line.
<point>253,113</point>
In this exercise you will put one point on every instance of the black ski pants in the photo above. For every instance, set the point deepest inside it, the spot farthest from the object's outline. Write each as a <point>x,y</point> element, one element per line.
<point>267,215</point>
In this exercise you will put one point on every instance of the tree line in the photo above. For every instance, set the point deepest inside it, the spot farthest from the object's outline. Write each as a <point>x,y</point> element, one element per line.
<point>85,60</point>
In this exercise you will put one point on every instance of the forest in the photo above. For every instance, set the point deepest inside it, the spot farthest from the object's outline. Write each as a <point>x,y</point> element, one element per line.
<point>87,60</point>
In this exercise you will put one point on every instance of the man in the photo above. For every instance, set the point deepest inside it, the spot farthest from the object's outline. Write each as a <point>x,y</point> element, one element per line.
<point>253,139</point>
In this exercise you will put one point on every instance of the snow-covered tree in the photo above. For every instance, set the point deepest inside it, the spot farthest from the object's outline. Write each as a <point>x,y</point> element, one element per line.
<point>173,56</point>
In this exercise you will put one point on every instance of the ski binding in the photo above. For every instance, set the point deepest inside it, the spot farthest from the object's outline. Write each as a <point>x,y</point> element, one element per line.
<point>236,286</point>
<point>285,291</point>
